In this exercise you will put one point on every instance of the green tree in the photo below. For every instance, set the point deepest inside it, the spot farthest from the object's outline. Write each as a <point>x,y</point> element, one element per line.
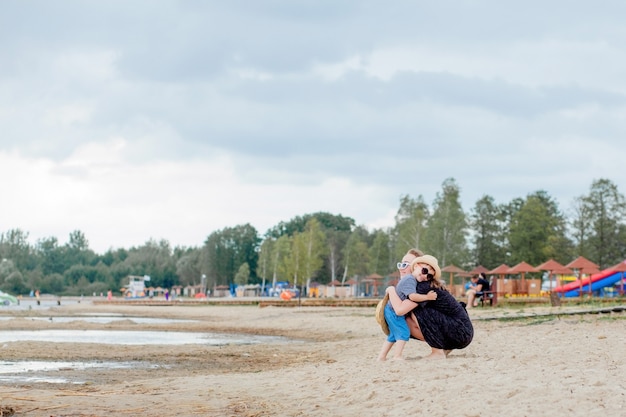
<point>281,252</point>
<point>76,251</point>
<point>538,231</point>
<point>355,255</point>
<point>487,223</point>
<point>14,283</point>
<point>51,255</point>
<point>447,228</point>
<point>606,208</point>
<point>379,254</point>
<point>292,265</point>
<point>264,266</point>
<point>581,226</point>
<point>15,247</point>
<point>242,276</point>
<point>155,260</point>
<point>228,248</point>
<point>315,246</point>
<point>410,225</point>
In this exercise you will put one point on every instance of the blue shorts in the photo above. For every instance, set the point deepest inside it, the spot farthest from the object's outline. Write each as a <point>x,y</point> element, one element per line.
<point>398,328</point>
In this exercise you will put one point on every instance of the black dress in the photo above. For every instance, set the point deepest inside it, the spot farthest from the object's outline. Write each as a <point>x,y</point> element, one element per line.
<point>444,322</point>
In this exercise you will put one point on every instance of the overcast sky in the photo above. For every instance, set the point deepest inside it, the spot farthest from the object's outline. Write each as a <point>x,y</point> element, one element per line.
<point>138,120</point>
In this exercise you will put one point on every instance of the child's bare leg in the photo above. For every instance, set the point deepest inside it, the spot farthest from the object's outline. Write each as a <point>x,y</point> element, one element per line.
<point>399,349</point>
<point>385,350</point>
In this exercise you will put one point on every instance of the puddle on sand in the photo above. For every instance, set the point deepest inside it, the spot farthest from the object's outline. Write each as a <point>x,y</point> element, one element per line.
<point>103,319</point>
<point>35,370</point>
<point>128,337</point>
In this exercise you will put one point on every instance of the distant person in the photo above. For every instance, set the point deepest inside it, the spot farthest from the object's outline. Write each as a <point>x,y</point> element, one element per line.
<point>109,295</point>
<point>480,286</point>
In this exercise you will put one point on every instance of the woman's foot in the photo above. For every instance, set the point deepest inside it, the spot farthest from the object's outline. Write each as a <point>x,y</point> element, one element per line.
<point>437,354</point>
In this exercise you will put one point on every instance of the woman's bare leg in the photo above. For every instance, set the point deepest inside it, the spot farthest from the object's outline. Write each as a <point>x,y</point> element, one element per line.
<point>415,330</point>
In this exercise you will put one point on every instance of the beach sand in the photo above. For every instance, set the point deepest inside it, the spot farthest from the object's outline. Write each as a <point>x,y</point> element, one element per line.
<point>538,366</point>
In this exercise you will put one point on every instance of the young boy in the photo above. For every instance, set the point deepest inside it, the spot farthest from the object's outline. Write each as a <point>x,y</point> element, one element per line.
<point>399,332</point>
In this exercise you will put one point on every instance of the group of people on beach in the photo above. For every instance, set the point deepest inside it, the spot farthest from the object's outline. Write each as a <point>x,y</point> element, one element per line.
<point>420,307</point>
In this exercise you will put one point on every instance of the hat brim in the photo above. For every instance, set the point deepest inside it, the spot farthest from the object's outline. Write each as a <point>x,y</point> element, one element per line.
<point>380,314</point>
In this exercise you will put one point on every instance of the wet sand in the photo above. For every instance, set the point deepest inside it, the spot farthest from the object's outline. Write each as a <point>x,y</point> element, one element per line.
<point>542,365</point>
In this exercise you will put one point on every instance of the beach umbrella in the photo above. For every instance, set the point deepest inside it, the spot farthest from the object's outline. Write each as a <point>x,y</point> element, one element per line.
<point>478,270</point>
<point>584,266</point>
<point>452,269</point>
<point>551,265</point>
<point>522,268</point>
<point>500,271</point>
<point>376,280</point>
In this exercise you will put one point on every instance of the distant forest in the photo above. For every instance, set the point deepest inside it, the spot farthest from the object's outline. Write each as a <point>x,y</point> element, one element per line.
<point>325,247</point>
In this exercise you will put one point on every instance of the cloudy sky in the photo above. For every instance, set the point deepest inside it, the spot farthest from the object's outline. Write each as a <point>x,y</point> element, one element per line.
<point>138,120</point>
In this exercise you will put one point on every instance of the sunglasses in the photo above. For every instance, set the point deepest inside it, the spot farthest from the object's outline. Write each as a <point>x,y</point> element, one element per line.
<point>402,265</point>
<point>428,274</point>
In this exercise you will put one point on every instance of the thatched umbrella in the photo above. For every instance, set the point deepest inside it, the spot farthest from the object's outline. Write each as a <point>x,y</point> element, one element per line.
<point>551,265</point>
<point>584,266</point>
<point>522,268</point>
<point>452,269</point>
<point>478,270</point>
<point>501,271</point>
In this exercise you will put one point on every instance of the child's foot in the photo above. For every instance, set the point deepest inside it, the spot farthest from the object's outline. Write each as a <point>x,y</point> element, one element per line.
<point>398,358</point>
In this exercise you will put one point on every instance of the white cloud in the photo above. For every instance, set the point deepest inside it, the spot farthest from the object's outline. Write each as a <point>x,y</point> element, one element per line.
<point>127,131</point>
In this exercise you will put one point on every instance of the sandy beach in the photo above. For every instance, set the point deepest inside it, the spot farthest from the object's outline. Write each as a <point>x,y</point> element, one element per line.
<point>541,365</point>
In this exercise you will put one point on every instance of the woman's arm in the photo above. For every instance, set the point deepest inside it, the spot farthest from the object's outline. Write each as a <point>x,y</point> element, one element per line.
<point>400,307</point>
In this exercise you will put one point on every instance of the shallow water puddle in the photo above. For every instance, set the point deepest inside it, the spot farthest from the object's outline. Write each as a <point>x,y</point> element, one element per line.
<point>104,319</point>
<point>129,337</point>
<point>11,371</point>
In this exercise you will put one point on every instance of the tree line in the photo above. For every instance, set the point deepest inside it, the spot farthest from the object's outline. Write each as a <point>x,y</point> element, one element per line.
<point>327,247</point>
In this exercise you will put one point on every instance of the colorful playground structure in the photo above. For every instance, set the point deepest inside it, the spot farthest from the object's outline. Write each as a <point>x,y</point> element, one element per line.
<point>595,284</point>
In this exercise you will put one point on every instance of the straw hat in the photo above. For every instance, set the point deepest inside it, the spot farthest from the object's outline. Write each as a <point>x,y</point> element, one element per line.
<point>428,260</point>
<point>380,314</point>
